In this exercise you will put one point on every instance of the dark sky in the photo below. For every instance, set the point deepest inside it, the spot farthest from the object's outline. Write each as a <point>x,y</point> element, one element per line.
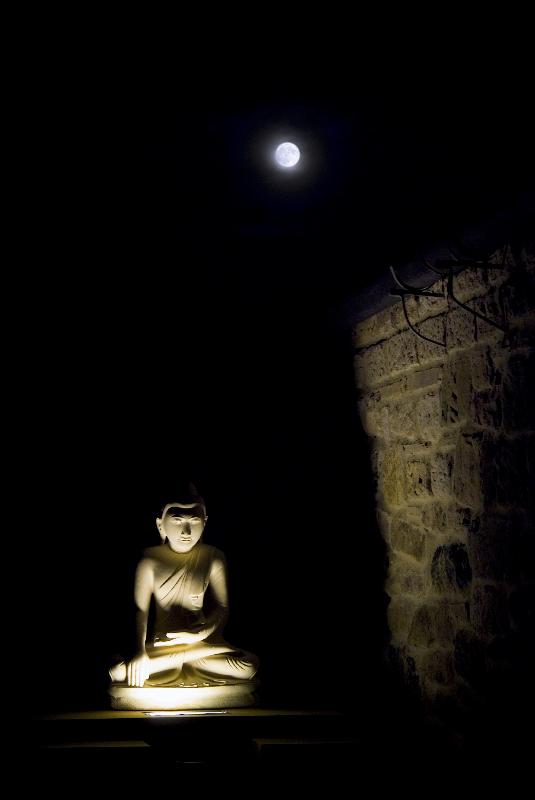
<point>188,326</point>
<point>181,176</point>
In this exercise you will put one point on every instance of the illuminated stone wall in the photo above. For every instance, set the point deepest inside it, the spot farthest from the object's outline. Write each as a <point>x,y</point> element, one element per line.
<point>451,434</point>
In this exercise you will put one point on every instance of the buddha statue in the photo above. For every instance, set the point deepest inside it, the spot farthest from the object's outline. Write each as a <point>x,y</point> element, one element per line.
<point>183,661</point>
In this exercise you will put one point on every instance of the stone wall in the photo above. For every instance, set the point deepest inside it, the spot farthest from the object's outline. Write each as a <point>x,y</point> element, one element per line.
<point>451,434</point>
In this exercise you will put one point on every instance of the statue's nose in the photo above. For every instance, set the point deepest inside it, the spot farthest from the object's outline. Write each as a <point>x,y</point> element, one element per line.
<point>186,529</point>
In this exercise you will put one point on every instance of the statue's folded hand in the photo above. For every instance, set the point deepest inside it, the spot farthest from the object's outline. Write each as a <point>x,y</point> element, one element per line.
<point>137,670</point>
<point>182,637</point>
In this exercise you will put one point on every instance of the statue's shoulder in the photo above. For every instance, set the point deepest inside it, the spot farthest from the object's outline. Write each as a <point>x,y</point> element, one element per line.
<point>215,557</point>
<point>154,553</point>
<point>211,554</point>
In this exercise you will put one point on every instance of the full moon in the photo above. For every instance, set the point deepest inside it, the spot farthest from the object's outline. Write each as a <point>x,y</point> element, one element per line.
<point>287,154</point>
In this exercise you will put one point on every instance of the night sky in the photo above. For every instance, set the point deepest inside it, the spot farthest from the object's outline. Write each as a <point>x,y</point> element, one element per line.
<point>189,326</point>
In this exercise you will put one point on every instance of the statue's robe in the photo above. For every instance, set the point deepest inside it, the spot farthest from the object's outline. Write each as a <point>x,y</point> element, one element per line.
<point>190,592</point>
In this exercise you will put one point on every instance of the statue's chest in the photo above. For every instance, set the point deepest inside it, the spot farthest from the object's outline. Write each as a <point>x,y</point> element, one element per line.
<point>181,583</point>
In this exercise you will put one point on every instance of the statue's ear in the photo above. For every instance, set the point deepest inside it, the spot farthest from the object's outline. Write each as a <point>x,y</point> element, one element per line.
<point>160,528</point>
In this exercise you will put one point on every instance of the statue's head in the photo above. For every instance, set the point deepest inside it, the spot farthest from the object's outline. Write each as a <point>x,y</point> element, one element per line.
<point>182,522</point>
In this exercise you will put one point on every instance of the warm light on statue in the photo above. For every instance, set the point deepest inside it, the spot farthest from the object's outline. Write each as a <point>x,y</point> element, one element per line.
<point>184,662</point>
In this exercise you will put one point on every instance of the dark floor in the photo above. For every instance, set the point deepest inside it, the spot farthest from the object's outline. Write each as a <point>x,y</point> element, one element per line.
<point>272,750</point>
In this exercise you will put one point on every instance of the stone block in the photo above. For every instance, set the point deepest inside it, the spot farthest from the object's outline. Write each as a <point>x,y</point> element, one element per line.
<point>393,389</point>
<point>455,391</point>
<point>391,476</point>
<point>440,473</point>
<point>400,614</point>
<point>448,440</point>
<point>450,568</point>
<point>433,328</point>
<point>418,480</point>
<point>487,408</point>
<point>436,624</point>
<point>486,368</point>
<point>488,611</point>
<point>406,539</point>
<point>422,631</point>
<point>490,308</point>
<point>404,578</point>
<point>446,519</point>
<point>431,306</point>
<point>470,283</point>
<point>424,378</point>
<point>460,519</point>
<point>373,329</point>
<point>417,450</point>
<point>435,517</point>
<point>460,330</point>
<point>385,323</point>
<point>371,366</point>
<point>402,417</point>
<point>383,523</point>
<point>375,452</point>
<point>402,352</point>
<point>413,515</point>
<point>397,315</point>
<point>467,478</point>
<point>428,416</point>
<point>449,618</point>
<point>373,415</point>
<point>437,667</point>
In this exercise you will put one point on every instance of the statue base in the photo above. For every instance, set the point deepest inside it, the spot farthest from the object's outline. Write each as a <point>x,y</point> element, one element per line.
<point>128,698</point>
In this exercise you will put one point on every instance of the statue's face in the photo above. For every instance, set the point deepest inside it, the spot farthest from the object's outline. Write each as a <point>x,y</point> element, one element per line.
<point>183,527</point>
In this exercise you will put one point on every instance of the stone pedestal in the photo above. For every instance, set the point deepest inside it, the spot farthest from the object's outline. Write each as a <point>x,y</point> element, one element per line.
<point>127,698</point>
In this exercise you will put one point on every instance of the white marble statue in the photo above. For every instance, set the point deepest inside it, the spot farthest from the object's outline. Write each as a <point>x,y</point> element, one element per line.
<point>187,581</point>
